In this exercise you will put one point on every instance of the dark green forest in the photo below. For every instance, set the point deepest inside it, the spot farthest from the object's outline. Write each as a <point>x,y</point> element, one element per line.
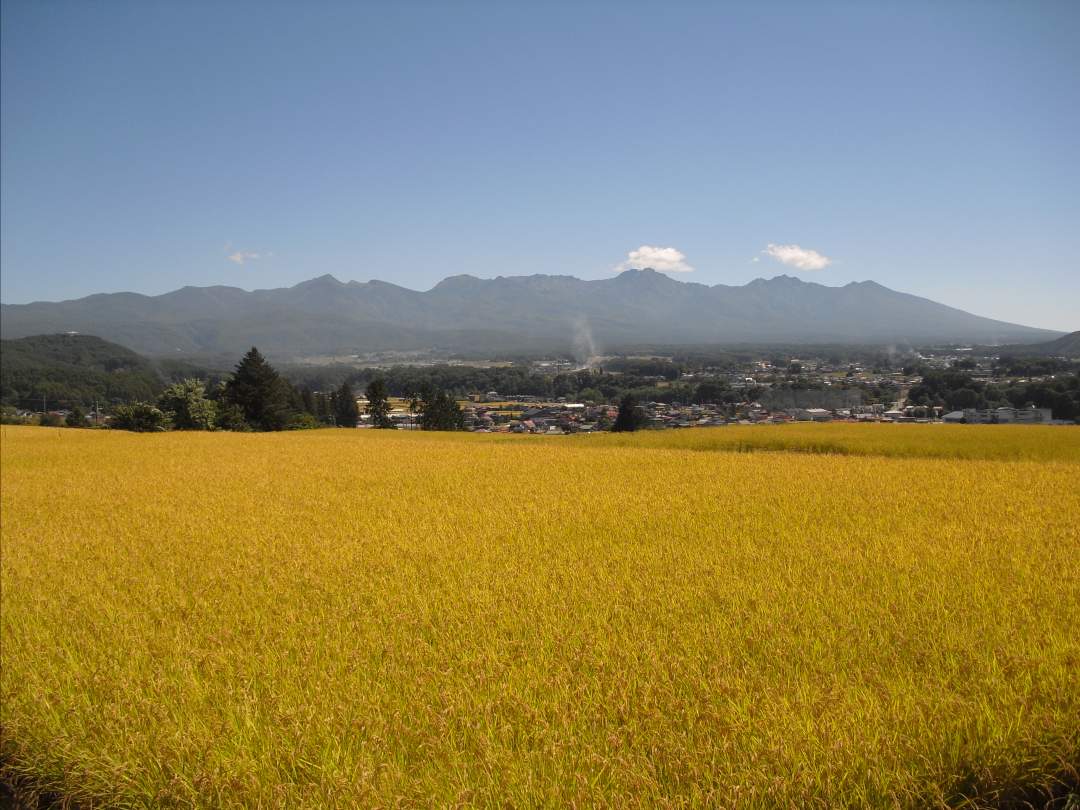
<point>69,370</point>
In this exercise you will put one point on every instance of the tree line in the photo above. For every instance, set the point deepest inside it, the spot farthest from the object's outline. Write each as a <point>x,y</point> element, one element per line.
<point>955,389</point>
<point>257,398</point>
<point>600,385</point>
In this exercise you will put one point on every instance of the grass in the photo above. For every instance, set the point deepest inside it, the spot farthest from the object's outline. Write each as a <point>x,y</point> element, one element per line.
<point>359,618</point>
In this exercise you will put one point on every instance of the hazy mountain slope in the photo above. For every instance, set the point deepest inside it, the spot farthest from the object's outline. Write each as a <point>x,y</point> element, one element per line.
<point>1065,346</point>
<point>464,313</point>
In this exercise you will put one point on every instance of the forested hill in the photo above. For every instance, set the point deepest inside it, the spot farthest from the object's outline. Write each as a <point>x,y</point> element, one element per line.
<point>73,370</point>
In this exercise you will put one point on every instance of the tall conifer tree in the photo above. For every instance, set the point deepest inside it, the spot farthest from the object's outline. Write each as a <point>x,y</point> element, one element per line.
<point>348,412</point>
<point>630,417</point>
<point>258,390</point>
<point>378,406</point>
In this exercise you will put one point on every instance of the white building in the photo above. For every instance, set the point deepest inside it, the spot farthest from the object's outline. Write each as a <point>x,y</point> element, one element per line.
<point>1007,416</point>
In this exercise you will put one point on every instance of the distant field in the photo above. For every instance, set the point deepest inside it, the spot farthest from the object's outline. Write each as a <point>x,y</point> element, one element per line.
<point>885,617</point>
<point>999,442</point>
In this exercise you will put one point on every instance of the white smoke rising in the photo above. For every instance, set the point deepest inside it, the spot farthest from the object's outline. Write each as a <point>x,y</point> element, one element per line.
<point>584,345</point>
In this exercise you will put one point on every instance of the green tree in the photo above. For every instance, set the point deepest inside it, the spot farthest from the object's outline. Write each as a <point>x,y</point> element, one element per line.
<point>76,418</point>
<point>188,404</point>
<point>709,392</point>
<point>262,395</point>
<point>322,407</point>
<point>963,398</point>
<point>231,417</point>
<point>302,420</point>
<point>378,406</point>
<point>345,408</point>
<point>438,410</point>
<point>630,416</point>
<point>140,417</point>
<point>1063,406</point>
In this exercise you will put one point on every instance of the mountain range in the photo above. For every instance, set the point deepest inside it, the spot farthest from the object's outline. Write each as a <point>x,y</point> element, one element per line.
<point>507,314</point>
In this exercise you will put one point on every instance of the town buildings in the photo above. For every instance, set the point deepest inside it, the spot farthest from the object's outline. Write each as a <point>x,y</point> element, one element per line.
<point>1000,416</point>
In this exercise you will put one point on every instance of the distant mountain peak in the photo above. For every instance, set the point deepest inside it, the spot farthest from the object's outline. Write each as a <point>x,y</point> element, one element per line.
<point>325,280</point>
<point>781,280</point>
<point>645,275</point>
<point>457,281</point>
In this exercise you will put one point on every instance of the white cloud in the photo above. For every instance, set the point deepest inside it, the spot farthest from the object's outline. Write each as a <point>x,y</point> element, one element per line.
<point>797,257</point>
<point>242,256</point>
<point>662,259</point>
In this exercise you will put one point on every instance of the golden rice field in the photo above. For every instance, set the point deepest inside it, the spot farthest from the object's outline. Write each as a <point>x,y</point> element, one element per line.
<point>1001,442</point>
<point>864,616</point>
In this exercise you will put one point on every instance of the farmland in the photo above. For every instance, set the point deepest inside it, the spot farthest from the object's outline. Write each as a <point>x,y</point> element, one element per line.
<point>1003,443</point>
<point>819,615</point>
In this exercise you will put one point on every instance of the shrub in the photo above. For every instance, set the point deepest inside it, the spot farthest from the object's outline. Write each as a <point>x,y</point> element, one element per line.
<point>140,417</point>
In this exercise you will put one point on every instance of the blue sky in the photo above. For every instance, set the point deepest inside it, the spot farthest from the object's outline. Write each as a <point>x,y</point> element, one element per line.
<point>929,146</point>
